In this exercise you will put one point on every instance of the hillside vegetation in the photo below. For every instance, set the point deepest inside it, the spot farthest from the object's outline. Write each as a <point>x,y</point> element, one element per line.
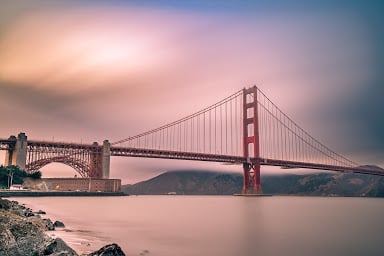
<point>216,183</point>
<point>13,174</point>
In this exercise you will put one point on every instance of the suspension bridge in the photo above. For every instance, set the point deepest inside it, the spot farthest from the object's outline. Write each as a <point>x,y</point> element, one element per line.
<point>246,128</point>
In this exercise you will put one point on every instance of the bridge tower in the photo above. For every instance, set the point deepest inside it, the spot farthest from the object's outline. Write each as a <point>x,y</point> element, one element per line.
<point>105,162</point>
<point>100,160</point>
<point>17,154</point>
<point>251,148</point>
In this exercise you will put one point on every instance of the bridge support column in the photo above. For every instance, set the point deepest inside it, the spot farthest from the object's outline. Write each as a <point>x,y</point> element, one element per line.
<point>100,160</point>
<point>95,161</point>
<point>18,154</point>
<point>252,181</point>
<point>10,151</point>
<point>251,148</point>
<point>257,179</point>
<point>106,159</point>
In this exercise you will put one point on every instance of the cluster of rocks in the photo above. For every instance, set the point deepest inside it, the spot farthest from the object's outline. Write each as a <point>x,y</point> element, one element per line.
<point>23,232</point>
<point>21,210</point>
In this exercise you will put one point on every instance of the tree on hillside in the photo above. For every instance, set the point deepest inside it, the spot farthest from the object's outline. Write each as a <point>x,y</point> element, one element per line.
<point>14,175</point>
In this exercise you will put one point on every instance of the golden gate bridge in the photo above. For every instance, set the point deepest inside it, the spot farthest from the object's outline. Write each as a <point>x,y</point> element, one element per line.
<point>245,128</point>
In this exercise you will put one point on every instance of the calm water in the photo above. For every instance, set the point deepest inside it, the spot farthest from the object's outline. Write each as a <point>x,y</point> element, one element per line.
<point>220,225</point>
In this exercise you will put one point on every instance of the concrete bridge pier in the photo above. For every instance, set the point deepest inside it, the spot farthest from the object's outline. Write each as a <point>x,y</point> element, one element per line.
<point>100,160</point>
<point>105,162</point>
<point>17,155</point>
<point>9,152</point>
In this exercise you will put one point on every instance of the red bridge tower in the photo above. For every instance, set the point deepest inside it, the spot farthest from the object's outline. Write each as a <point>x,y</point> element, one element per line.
<point>251,148</point>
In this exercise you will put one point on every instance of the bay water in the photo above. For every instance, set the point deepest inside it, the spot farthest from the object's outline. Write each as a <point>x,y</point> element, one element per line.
<point>219,225</point>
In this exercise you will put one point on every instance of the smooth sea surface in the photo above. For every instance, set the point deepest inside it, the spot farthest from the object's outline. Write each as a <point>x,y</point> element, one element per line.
<point>219,225</point>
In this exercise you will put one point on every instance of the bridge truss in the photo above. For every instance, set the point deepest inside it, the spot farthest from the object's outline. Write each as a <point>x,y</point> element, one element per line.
<point>83,158</point>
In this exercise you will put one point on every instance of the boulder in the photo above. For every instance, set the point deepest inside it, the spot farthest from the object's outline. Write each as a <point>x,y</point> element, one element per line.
<point>19,236</point>
<point>40,212</point>
<point>4,204</point>
<point>59,247</point>
<point>24,234</point>
<point>27,212</point>
<point>49,225</point>
<point>58,224</point>
<point>108,250</point>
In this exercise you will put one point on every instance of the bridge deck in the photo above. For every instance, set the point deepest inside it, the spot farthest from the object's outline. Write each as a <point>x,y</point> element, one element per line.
<point>292,165</point>
<point>152,153</point>
<point>179,155</point>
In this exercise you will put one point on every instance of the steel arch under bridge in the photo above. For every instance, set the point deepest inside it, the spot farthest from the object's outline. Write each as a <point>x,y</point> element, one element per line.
<point>88,160</point>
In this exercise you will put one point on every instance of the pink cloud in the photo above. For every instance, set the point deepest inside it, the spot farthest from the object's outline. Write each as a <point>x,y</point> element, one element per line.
<point>115,72</point>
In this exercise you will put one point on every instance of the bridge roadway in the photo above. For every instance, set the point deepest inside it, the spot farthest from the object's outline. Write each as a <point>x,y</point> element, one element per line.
<point>45,146</point>
<point>6,143</point>
<point>153,153</point>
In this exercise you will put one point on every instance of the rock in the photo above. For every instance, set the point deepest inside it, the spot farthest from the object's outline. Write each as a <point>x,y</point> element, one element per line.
<point>108,250</point>
<point>27,212</point>
<point>40,212</point>
<point>59,247</point>
<point>144,252</point>
<point>58,224</point>
<point>8,241</point>
<point>26,236</point>
<point>19,236</point>
<point>59,254</point>
<point>4,204</point>
<point>49,225</point>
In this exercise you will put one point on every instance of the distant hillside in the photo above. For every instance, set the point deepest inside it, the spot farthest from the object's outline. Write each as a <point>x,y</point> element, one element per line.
<point>325,184</point>
<point>215,183</point>
<point>189,183</point>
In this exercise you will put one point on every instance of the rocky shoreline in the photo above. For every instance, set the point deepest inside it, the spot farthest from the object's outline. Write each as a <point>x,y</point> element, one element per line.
<point>23,232</point>
<point>27,193</point>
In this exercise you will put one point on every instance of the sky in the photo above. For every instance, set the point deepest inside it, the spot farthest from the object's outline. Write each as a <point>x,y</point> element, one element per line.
<point>85,71</point>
